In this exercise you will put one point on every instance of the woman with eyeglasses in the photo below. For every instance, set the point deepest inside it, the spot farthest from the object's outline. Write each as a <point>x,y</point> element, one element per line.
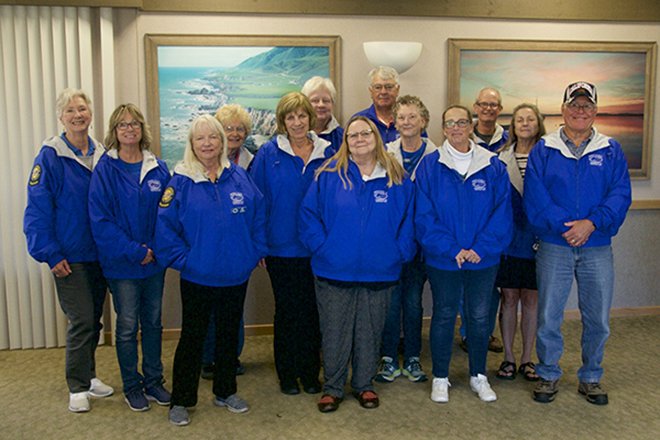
<point>357,221</point>
<point>405,312</point>
<point>322,95</point>
<point>123,203</point>
<point>463,223</point>
<point>237,124</point>
<point>283,169</point>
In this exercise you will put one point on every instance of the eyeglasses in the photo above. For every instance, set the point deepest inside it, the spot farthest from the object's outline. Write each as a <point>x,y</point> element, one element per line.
<point>355,134</point>
<point>587,108</point>
<point>237,128</point>
<point>380,87</point>
<point>403,118</point>
<point>135,125</point>
<point>485,105</point>
<point>462,123</point>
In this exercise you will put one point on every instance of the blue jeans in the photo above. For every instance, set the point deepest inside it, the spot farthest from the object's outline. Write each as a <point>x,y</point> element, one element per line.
<point>209,342</point>
<point>406,299</point>
<point>138,304</point>
<point>593,269</point>
<point>492,314</point>
<point>447,287</point>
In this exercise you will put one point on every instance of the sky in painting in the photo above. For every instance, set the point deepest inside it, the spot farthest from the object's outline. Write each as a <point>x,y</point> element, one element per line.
<point>206,56</point>
<point>541,77</point>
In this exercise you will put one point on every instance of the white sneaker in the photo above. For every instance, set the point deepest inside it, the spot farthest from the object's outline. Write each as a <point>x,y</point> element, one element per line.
<point>79,402</point>
<point>440,390</point>
<point>99,389</point>
<point>480,385</point>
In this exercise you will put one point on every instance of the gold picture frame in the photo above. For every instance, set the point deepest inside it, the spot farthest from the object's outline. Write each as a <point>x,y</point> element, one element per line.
<point>538,71</point>
<point>192,74</point>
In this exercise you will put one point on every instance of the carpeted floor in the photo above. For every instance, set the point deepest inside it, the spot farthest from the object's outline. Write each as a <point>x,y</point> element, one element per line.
<point>34,400</point>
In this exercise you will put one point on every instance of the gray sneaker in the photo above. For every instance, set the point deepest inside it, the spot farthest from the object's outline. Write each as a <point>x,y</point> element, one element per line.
<point>388,370</point>
<point>233,403</point>
<point>412,369</point>
<point>178,415</point>
<point>546,390</point>
<point>593,392</point>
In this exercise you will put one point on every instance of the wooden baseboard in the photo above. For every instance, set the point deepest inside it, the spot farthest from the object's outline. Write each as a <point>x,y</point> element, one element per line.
<point>267,329</point>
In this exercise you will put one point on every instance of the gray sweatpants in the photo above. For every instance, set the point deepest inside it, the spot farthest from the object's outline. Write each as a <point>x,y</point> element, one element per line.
<point>352,321</point>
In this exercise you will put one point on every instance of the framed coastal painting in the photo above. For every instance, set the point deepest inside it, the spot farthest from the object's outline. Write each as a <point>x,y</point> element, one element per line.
<point>189,75</point>
<point>538,71</point>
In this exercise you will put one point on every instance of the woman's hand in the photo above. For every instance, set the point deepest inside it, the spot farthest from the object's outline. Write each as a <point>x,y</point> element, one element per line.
<point>61,269</point>
<point>149,258</point>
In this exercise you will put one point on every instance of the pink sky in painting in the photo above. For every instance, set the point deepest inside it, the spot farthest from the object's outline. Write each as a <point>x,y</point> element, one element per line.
<point>540,77</point>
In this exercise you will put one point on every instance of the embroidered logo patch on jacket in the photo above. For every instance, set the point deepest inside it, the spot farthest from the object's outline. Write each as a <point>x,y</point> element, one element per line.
<point>35,175</point>
<point>380,196</point>
<point>166,199</point>
<point>479,185</point>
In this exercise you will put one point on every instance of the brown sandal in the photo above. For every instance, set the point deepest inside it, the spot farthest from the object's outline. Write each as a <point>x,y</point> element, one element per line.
<point>368,399</point>
<point>528,370</point>
<point>328,403</point>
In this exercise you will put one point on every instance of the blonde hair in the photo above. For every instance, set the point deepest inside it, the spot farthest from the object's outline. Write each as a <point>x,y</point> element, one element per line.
<point>290,103</point>
<point>231,112</point>
<point>190,160</point>
<point>68,95</point>
<point>395,172</point>
<point>116,117</point>
<point>513,137</point>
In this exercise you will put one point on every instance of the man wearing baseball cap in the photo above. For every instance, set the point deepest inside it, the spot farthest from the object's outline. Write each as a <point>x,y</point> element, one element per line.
<point>577,194</point>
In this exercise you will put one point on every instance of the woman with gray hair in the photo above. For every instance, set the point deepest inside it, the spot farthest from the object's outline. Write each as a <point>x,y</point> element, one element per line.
<point>211,228</point>
<point>58,232</point>
<point>322,95</point>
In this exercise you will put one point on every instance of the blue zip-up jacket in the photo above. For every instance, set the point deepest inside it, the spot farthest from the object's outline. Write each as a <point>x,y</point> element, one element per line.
<point>560,188</point>
<point>454,213</point>
<point>56,222</point>
<point>500,137</point>
<point>213,233</point>
<point>523,236</point>
<point>361,234</point>
<point>334,133</point>
<point>283,179</point>
<point>123,214</point>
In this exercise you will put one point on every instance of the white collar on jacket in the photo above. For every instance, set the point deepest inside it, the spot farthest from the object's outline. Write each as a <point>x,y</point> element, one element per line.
<point>508,156</point>
<point>554,140</point>
<point>394,148</point>
<point>63,150</point>
<point>480,158</point>
<point>196,176</point>
<point>149,161</point>
<point>499,132</point>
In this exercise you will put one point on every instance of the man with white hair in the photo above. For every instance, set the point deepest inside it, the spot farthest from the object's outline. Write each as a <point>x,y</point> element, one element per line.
<point>384,89</point>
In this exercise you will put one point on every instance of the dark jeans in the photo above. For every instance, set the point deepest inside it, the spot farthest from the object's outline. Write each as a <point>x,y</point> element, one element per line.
<point>138,304</point>
<point>197,303</point>
<point>406,310</point>
<point>297,339</point>
<point>81,295</point>
<point>447,287</point>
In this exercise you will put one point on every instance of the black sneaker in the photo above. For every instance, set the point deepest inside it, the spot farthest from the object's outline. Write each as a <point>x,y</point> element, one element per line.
<point>207,371</point>
<point>546,390</point>
<point>593,392</point>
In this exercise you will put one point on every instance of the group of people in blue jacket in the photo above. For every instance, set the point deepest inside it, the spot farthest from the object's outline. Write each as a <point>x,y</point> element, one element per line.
<point>348,224</point>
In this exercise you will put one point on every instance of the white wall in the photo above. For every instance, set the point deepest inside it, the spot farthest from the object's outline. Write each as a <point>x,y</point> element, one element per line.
<point>427,79</point>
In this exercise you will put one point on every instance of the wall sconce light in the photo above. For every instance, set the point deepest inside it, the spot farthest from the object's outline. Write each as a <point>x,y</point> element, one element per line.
<point>400,55</point>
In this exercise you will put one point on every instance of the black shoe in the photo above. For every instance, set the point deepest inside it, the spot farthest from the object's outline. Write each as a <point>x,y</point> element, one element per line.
<point>290,389</point>
<point>546,390</point>
<point>208,371</point>
<point>240,369</point>
<point>312,388</point>
<point>593,392</point>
